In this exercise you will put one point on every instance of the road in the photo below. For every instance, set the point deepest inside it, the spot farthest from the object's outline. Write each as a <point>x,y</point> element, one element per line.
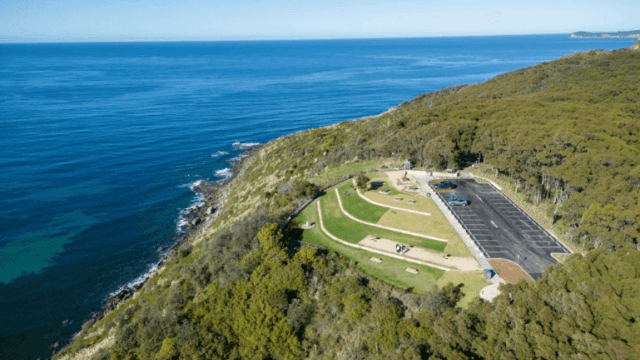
<point>503,230</point>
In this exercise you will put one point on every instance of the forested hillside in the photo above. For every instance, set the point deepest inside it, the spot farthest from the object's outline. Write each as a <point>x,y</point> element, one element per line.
<point>565,133</point>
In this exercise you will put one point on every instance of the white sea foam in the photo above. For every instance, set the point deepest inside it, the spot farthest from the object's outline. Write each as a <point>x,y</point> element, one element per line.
<point>191,185</point>
<point>140,279</point>
<point>239,157</point>
<point>218,154</point>
<point>151,268</point>
<point>184,216</point>
<point>195,184</point>
<point>224,173</point>
<point>243,145</point>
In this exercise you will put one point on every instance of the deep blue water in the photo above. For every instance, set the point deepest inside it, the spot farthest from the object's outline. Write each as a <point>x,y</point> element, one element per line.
<point>98,142</point>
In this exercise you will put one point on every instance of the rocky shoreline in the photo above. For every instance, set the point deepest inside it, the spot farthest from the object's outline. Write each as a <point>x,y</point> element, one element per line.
<point>198,220</point>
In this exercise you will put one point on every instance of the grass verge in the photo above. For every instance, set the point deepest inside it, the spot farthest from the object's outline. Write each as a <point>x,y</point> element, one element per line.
<point>472,281</point>
<point>346,229</point>
<point>389,270</point>
<point>357,206</point>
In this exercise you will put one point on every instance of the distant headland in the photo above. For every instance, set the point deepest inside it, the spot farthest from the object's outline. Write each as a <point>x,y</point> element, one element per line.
<point>617,34</point>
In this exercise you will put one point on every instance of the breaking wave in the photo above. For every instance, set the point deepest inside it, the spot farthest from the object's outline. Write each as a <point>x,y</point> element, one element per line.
<point>217,154</point>
<point>224,173</point>
<point>243,146</point>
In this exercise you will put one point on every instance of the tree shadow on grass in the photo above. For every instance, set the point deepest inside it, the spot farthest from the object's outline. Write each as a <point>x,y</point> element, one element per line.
<point>293,235</point>
<point>376,185</point>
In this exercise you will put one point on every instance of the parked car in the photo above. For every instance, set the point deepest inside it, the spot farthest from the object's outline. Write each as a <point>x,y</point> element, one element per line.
<point>458,201</point>
<point>443,185</point>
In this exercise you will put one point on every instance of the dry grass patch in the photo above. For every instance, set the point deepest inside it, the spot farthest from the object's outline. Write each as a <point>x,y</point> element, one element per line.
<point>89,352</point>
<point>423,204</point>
<point>473,283</point>
<point>457,247</point>
<point>435,225</point>
<point>418,223</point>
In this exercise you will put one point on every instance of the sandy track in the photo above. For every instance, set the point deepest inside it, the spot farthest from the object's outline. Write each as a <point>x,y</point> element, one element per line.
<point>433,257</point>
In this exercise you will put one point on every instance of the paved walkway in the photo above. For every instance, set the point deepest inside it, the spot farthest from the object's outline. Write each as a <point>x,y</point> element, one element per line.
<point>389,206</point>
<point>489,293</point>
<point>381,252</point>
<point>385,227</point>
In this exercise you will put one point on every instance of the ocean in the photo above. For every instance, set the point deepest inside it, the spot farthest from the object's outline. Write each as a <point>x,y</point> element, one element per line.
<point>100,142</point>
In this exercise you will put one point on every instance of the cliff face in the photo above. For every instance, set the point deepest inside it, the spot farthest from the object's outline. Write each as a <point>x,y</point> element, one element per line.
<point>635,46</point>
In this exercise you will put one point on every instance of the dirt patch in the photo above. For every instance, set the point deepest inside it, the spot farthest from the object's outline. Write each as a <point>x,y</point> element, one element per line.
<point>394,179</point>
<point>308,225</point>
<point>414,252</point>
<point>509,271</point>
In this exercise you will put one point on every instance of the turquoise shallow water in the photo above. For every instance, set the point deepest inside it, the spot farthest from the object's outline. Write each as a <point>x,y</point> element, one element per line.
<point>99,142</point>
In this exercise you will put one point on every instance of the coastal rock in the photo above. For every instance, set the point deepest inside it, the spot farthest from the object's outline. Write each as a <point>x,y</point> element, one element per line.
<point>635,46</point>
<point>123,294</point>
<point>217,193</point>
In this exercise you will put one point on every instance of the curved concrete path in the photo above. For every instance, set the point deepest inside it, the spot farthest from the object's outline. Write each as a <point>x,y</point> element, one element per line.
<point>385,253</point>
<point>385,227</point>
<point>389,206</point>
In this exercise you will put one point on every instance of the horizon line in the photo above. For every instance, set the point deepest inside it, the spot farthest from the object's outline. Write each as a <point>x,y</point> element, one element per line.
<point>4,39</point>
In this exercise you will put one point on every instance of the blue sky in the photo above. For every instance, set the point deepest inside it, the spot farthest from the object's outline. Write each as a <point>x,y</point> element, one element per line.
<point>126,20</point>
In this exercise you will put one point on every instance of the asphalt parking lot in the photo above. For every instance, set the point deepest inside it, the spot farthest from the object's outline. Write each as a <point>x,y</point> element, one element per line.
<point>501,229</point>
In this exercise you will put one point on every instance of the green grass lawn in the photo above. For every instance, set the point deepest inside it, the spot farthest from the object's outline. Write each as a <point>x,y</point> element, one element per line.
<point>357,206</point>
<point>346,229</point>
<point>435,225</point>
<point>391,270</point>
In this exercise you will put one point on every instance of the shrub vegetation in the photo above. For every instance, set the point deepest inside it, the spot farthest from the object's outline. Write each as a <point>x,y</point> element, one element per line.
<point>565,133</point>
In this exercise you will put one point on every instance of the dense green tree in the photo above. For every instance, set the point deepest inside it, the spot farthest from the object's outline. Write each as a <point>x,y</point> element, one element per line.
<point>362,180</point>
